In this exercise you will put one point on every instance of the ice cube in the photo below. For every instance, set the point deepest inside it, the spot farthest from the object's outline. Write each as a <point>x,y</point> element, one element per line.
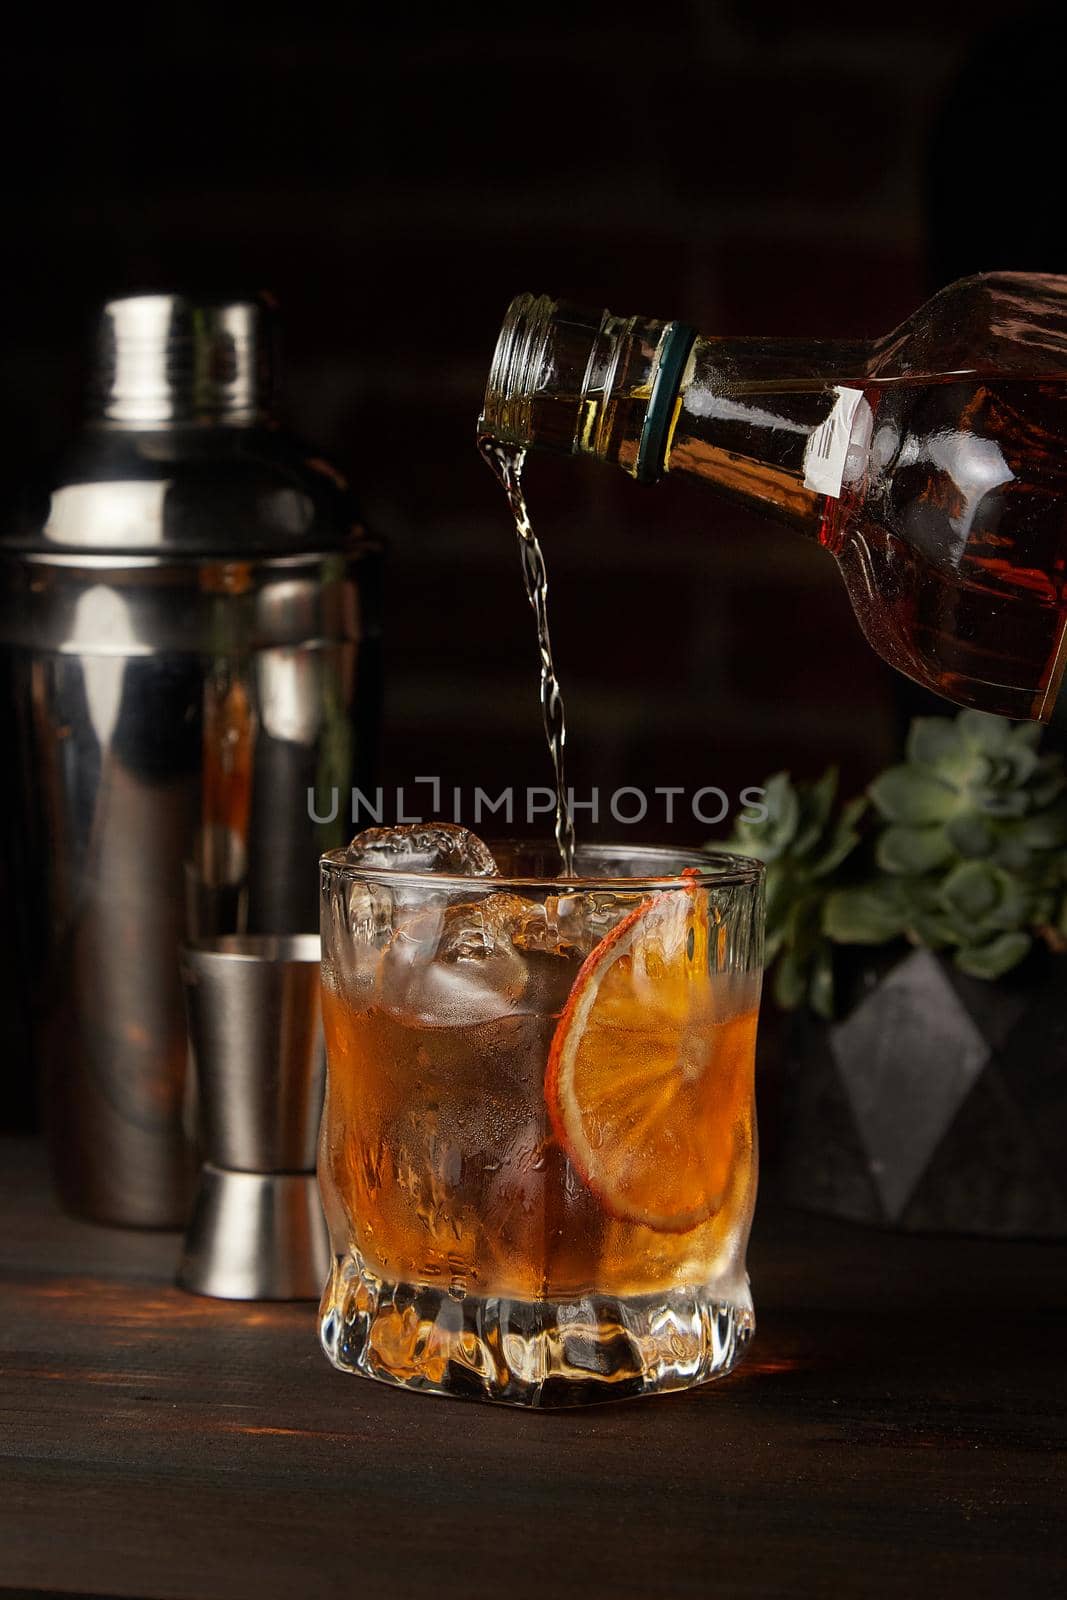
<point>468,963</point>
<point>423,847</point>
<point>582,918</point>
<point>532,926</point>
<point>508,919</point>
<point>357,924</point>
<point>453,965</point>
<point>565,925</point>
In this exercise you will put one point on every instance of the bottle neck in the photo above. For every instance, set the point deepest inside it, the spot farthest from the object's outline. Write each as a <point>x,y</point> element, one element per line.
<point>582,382</point>
<point>168,360</point>
<point>781,423</point>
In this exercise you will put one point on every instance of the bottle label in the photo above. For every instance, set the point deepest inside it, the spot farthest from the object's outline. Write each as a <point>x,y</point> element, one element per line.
<point>827,451</point>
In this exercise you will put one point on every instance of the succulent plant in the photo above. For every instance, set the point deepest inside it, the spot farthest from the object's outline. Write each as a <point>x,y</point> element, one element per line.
<point>803,846</point>
<point>970,854</point>
<point>964,848</point>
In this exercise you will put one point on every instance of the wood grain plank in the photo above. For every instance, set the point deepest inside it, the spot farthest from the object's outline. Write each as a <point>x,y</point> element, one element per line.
<point>899,1425</point>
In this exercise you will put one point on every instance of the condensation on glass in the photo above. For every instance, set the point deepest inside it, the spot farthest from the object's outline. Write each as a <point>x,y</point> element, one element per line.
<point>538,1156</point>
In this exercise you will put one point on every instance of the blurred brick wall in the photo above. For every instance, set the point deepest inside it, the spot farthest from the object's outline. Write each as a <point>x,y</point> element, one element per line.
<point>396,187</point>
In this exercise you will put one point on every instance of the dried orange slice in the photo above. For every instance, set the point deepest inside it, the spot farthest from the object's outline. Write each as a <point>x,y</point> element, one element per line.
<point>649,1084</point>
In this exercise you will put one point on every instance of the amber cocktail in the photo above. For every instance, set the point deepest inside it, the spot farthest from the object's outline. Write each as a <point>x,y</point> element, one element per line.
<point>539,1153</point>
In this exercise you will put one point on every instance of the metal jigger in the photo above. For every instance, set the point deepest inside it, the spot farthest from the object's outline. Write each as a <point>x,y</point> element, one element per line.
<point>255,1034</point>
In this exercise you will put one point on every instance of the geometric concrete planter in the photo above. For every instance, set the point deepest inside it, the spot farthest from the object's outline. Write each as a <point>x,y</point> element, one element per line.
<point>936,1102</point>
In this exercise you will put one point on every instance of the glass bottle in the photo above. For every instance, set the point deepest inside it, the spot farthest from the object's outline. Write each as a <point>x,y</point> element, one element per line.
<point>931,463</point>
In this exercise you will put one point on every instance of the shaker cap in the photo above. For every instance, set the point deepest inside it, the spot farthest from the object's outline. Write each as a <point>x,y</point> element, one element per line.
<point>182,458</point>
<point>172,358</point>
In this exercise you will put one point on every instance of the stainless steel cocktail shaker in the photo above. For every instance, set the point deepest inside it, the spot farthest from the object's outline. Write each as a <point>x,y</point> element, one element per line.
<point>189,621</point>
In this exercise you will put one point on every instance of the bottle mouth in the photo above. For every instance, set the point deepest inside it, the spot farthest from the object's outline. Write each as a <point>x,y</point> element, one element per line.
<point>519,356</point>
<point>539,379</point>
<point>170,358</point>
<point>585,382</point>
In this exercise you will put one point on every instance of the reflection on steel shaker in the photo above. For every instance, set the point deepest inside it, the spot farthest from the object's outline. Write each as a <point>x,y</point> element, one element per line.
<point>189,622</point>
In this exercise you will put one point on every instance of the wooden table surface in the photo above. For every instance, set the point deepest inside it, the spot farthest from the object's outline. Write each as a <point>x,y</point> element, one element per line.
<point>897,1429</point>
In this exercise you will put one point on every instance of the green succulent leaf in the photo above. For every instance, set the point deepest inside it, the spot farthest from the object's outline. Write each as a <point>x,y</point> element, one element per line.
<point>769,838</point>
<point>1027,735</point>
<point>865,914</point>
<point>815,804</point>
<point>971,890</point>
<point>1011,853</point>
<point>906,794</point>
<point>994,958</point>
<point>1019,763</point>
<point>984,732</point>
<point>1048,781</point>
<point>980,897</point>
<point>843,840</point>
<point>934,929</point>
<point>1015,908</point>
<point>804,923</point>
<point>938,742</point>
<point>790,981</point>
<point>911,850</point>
<point>779,890</point>
<point>962,847</point>
<point>971,834</point>
<point>1044,830</point>
<point>821,983</point>
<point>1001,802</point>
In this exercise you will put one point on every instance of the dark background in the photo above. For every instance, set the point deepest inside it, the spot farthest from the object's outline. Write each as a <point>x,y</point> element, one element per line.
<point>395,182</point>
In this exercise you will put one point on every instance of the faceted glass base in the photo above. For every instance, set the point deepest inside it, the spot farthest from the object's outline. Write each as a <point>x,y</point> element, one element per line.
<point>530,1352</point>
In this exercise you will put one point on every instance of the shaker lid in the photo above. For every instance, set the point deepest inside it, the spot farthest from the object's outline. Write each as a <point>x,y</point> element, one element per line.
<point>182,458</point>
<point>167,358</point>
